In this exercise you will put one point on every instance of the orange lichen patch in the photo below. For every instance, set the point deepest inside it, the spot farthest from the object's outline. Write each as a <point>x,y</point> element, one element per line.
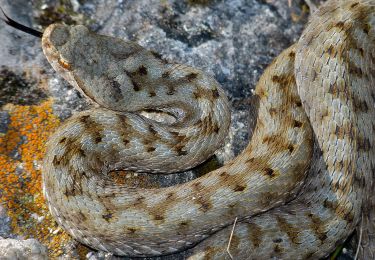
<point>21,152</point>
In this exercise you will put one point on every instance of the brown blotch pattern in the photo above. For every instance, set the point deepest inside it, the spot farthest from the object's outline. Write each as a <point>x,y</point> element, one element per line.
<point>93,128</point>
<point>284,80</point>
<point>116,86</point>
<point>131,230</point>
<point>359,104</point>
<point>363,144</point>
<point>354,5</point>
<point>317,225</point>
<point>192,76</point>
<point>142,70</point>
<point>297,124</point>
<point>165,75</point>
<point>107,217</point>
<point>288,228</point>
<point>238,188</point>
<point>255,234</point>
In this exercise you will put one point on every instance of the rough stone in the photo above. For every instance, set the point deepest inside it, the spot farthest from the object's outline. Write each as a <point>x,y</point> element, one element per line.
<point>22,249</point>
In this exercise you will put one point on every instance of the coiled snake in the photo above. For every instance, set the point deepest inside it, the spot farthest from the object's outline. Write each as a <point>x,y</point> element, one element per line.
<point>316,109</point>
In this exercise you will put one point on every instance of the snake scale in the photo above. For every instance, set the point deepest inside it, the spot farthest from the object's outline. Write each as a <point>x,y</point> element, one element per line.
<point>298,187</point>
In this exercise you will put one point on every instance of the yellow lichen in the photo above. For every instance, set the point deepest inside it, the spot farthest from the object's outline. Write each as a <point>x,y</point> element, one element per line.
<point>21,152</point>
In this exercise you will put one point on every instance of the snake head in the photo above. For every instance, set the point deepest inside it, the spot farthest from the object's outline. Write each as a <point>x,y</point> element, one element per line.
<point>60,44</point>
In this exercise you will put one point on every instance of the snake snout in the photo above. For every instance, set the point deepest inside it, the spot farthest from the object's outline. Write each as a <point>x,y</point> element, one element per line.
<point>58,34</point>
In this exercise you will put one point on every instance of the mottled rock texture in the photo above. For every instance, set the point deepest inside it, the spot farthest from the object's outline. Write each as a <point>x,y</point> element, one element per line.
<point>22,249</point>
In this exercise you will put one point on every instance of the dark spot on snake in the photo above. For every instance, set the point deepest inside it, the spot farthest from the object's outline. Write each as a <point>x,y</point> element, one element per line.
<point>125,141</point>
<point>150,149</point>
<point>363,144</point>
<point>117,90</point>
<point>239,188</point>
<point>289,229</point>
<point>204,205</point>
<point>183,227</point>
<point>224,175</point>
<point>152,94</point>
<point>152,130</point>
<point>84,119</point>
<point>82,216</point>
<point>158,217</point>
<point>278,249</point>
<point>179,150</point>
<point>277,240</point>
<point>366,28</point>
<point>290,148</point>
<point>171,89</point>
<point>292,55</point>
<point>255,234</point>
<point>170,195</point>
<point>216,129</point>
<point>62,140</point>
<point>215,93</point>
<point>131,230</point>
<point>361,52</point>
<point>139,201</point>
<point>107,217</point>
<point>165,75</point>
<point>283,80</point>
<point>331,51</point>
<point>355,70</point>
<point>98,139</point>
<point>298,103</point>
<point>197,186</point>
<point>270,172</point>
<point>82,152</point>
<point>316,225</point>
<point>56,161</point>
<point>315,74</point>
<point>136,87</point>
<point>297,124</point>
<point>190,77</point>
<point>272,111</point>
<point>354,5</point>
<point>340,25</point>
<point>142,70</point>
<point>267,198</point>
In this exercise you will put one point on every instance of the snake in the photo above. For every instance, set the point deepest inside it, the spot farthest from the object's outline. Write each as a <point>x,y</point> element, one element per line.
<point>299,188</point>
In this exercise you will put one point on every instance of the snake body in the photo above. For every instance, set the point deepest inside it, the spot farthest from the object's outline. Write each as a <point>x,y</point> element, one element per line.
<point>315,116</point>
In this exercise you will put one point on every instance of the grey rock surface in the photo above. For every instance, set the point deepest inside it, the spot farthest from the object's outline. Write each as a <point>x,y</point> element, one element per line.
<point>30,249</point>
<point>234,40</point>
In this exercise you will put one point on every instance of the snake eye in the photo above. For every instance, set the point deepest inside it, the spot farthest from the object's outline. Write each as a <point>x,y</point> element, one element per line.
<point>63,63</point>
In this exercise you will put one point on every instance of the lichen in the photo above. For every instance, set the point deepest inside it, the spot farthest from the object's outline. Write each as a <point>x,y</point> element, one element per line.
<point>21,151</point>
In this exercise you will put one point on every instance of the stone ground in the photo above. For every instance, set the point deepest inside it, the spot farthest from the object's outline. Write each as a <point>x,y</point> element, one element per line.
<point>234,40</point>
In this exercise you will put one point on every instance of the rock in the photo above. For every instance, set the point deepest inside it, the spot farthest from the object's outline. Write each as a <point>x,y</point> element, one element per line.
<point>29,249</point>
